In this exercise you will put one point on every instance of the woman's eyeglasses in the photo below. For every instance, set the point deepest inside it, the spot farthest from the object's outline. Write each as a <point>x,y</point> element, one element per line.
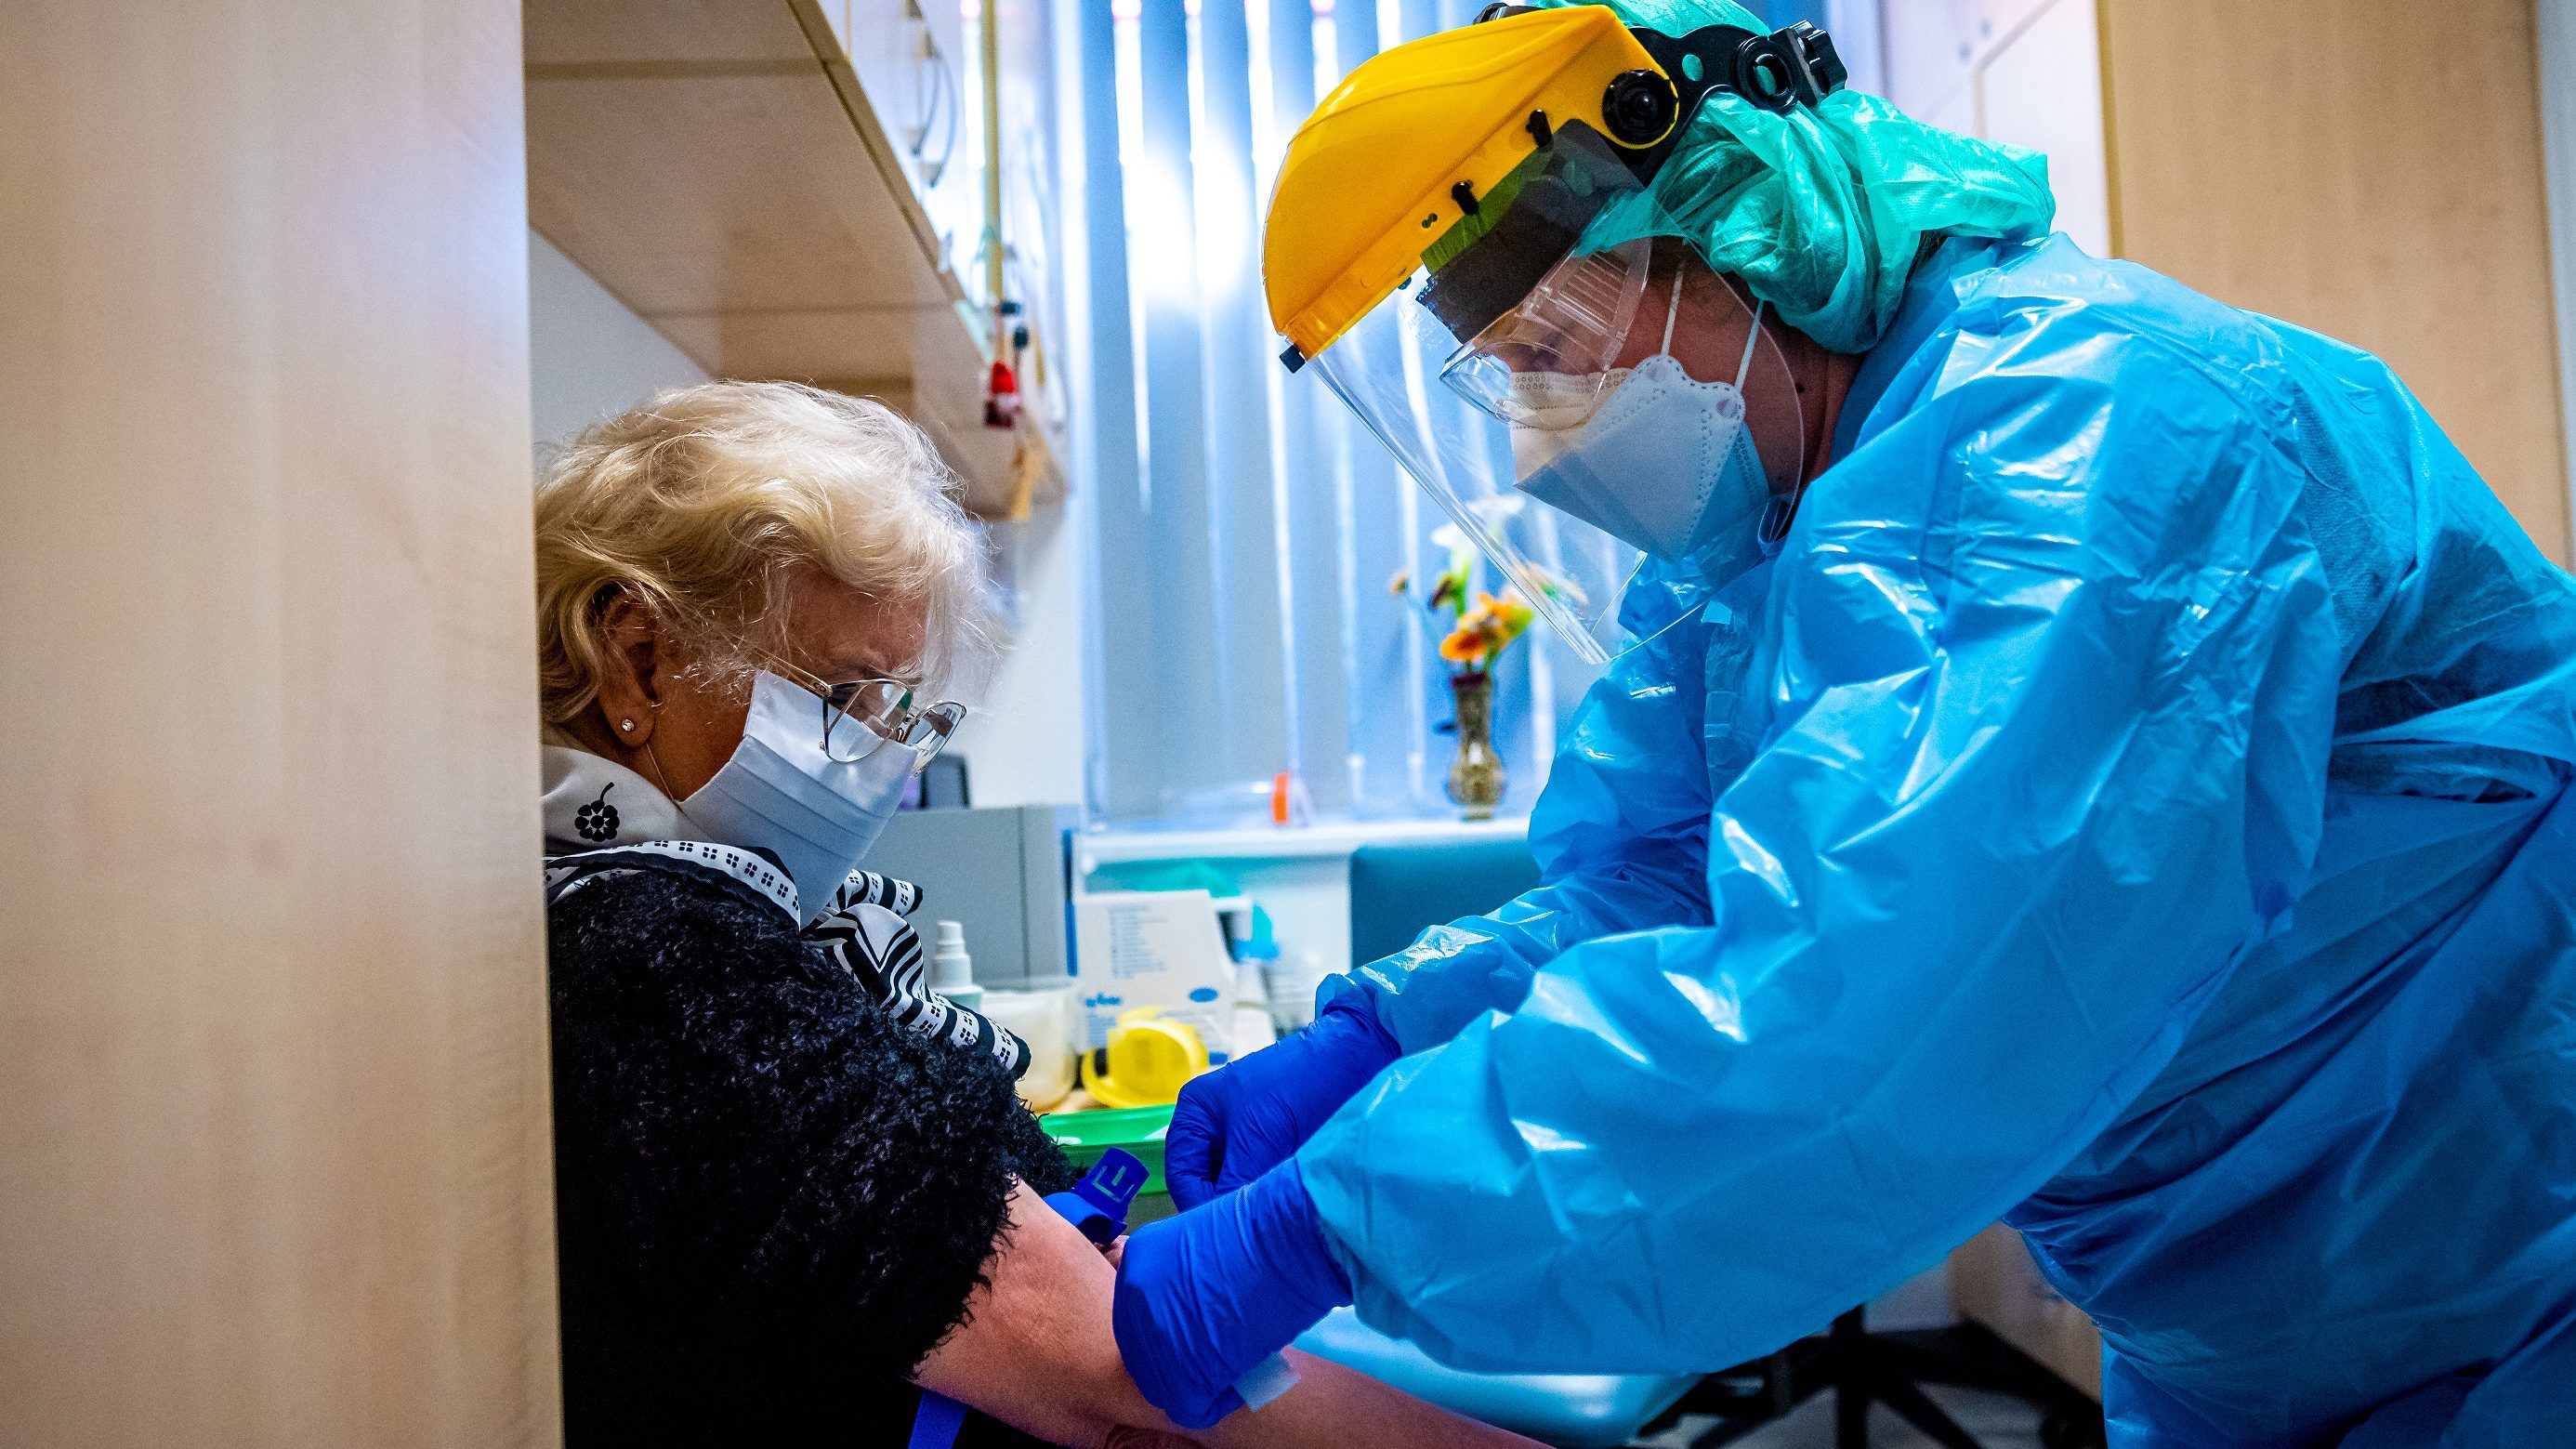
<point>864,716</point>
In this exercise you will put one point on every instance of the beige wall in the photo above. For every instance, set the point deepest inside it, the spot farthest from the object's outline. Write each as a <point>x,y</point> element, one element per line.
<point>273,1152</point>
<point>589,358</point>
<point>2371,170</point>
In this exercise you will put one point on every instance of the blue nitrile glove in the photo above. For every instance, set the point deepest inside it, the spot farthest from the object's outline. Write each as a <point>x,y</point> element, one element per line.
<point>1241,1120</point>
<point>1205,1297</point>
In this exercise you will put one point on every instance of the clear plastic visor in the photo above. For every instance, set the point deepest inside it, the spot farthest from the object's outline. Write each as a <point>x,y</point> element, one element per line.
<point>1387,368</point>
<point>1469,421</point>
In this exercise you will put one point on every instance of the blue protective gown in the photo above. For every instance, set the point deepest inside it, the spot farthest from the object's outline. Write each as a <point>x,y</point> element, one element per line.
<point>2133,804</point>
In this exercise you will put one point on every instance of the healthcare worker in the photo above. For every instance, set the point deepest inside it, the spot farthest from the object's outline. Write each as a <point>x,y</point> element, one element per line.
<point>2087,756</point>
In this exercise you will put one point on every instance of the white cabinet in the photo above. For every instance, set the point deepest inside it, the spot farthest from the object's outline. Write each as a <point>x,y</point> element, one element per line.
<point>2043,89</point>
<point>2024,71</point>
<point>1934,48</point>
<point>919,64</point>
<point>1994,21</point>
<point>1931,53</point>
<point>911,81</point>
<point>1958,113</point>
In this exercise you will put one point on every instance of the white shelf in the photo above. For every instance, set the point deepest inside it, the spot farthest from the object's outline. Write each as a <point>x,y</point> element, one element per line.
<point>1269,843</point>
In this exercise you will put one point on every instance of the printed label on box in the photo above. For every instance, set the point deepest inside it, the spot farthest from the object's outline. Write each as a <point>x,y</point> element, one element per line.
<point>1152,948</point>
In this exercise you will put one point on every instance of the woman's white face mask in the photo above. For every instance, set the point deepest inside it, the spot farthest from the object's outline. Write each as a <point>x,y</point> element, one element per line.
<point>780,793</point>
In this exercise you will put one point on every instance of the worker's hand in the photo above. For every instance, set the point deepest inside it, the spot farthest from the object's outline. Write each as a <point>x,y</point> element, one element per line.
<point>1204,1297</point>
<point>1240,1121</point>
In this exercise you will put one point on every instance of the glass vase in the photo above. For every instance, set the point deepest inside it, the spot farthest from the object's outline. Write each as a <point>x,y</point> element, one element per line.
<point>1476,775</point>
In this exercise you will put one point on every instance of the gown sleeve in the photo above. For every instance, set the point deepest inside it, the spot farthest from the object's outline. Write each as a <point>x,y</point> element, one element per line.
<point>1619,836</point>
<point>2050,714</point>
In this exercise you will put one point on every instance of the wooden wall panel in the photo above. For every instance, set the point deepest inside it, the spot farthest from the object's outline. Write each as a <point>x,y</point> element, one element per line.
<point>2368,168</point>
<point>274,1165</point>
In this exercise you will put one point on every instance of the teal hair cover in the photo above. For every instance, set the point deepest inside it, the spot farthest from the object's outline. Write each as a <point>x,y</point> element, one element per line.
<point>1822,212</point>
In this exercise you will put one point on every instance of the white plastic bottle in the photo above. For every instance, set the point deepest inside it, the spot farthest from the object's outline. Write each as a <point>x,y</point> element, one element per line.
<point>1292,980</point>
<point>952,971</point>
<point>1044,1019</point>
<point>1250,1026</point>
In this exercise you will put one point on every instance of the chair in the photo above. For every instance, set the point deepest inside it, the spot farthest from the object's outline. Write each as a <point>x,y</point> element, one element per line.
<point>1859,1366</point>
<point>1397,890</point>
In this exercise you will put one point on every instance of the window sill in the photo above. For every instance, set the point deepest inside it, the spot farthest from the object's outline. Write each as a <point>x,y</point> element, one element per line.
<point>1337,838</point>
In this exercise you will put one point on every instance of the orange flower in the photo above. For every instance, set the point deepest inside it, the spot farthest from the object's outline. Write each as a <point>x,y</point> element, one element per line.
<point>1468,645</point>
<point>1486,630</point>
<point>1510,615</point>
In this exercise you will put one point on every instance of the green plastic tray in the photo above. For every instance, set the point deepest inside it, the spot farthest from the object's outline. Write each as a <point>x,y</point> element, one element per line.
<point>1085,1135</point>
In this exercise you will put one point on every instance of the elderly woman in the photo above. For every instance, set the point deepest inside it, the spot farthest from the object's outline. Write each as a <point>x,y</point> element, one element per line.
<point>792,1184</point>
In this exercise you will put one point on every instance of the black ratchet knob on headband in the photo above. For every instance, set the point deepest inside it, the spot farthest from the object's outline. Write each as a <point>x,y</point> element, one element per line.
<point>1639,107</point>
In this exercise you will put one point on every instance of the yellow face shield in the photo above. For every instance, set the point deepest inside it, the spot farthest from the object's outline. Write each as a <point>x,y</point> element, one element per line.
<point>1414,145</point>
<point>1458,243</point>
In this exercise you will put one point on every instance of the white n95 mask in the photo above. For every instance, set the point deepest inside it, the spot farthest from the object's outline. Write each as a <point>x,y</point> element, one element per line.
<point>781,793</point>
<point>1551,408</point>
<point>1664,464</point>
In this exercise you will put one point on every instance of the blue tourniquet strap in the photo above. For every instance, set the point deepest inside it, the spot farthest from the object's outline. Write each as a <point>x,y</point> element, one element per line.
<point>936,1422</point>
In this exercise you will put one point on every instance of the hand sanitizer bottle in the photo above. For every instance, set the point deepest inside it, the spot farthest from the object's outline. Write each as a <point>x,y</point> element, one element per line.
<point>952,971</point>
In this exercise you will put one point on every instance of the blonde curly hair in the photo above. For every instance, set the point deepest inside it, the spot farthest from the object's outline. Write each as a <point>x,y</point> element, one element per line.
<point>700,501</point>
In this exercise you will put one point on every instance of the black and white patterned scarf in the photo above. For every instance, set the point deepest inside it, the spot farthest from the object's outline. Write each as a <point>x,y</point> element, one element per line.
<point>598,815</point>
<point>866,931</point>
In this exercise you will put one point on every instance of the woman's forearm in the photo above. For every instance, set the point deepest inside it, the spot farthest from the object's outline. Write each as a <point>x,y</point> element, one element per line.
<point>1333,1407</point>
<point>1036,1352</point>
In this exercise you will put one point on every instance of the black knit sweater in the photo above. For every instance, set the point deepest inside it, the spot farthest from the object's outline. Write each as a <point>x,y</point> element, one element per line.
<point>771,1200</point>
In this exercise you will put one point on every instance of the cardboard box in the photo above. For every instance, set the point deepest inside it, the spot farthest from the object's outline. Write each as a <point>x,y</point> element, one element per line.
<point>1153,948</point>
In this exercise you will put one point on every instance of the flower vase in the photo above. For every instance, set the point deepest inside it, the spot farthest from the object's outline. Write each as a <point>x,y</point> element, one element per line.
<point>1476,775</point>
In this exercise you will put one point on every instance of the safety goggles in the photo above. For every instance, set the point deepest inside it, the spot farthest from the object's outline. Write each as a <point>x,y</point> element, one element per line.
<point>1551,389</point>
<point>1570,327</point>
